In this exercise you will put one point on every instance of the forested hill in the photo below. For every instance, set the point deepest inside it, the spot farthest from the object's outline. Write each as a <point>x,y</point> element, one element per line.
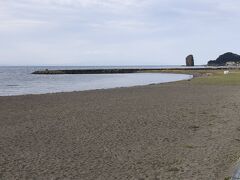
<point>223,59</point>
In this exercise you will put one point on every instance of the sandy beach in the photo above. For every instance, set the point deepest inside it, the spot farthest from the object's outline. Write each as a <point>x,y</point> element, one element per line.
<point>174,131</point>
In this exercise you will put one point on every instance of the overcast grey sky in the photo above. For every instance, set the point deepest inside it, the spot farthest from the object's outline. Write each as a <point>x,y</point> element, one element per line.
<point>116,32</point>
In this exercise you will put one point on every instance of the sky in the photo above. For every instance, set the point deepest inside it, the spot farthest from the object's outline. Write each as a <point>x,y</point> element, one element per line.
<point>116,32</point>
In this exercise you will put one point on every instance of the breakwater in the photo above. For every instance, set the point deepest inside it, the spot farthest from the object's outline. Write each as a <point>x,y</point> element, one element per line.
<point>122,71</point>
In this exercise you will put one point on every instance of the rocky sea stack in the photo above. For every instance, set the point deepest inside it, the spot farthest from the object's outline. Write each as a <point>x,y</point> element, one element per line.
<point>225,59</point>
<point>190,60</point>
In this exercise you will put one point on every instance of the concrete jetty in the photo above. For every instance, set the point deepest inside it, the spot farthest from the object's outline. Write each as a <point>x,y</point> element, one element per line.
<point>126,70</point>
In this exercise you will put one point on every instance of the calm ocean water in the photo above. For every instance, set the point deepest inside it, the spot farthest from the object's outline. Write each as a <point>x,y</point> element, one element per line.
<point>20,81</point>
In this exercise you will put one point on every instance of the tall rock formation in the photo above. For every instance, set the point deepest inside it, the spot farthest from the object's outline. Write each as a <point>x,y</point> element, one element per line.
<point>190,60</point>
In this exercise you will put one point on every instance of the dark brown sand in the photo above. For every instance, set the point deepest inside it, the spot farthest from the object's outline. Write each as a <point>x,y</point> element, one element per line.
<point>170,131</point>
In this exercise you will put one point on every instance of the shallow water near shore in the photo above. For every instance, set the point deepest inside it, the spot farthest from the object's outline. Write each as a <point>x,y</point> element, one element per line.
<point>20,81</point>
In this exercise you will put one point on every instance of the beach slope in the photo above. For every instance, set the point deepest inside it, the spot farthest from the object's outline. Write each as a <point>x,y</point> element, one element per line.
<point>172,131</point>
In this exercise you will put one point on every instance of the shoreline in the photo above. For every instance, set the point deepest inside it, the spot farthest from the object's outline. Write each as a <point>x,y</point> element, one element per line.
<point>150,83</point>
<point>177,130</point>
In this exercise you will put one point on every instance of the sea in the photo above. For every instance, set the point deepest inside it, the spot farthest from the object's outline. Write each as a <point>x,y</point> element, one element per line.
<point>19,80</point>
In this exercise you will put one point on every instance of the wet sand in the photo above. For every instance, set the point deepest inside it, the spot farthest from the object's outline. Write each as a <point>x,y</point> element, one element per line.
<point>169,131</point>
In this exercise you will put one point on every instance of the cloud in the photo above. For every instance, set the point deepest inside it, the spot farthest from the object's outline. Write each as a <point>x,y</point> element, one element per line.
<point>112,4</point>
<point>230,6</point>
<point>13,24</point>
<point>130,26</point>
<point>11,21</point>
<point>116,31</point>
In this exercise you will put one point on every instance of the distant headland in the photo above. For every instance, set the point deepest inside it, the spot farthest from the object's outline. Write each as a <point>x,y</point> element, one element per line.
<point>227,59</point>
